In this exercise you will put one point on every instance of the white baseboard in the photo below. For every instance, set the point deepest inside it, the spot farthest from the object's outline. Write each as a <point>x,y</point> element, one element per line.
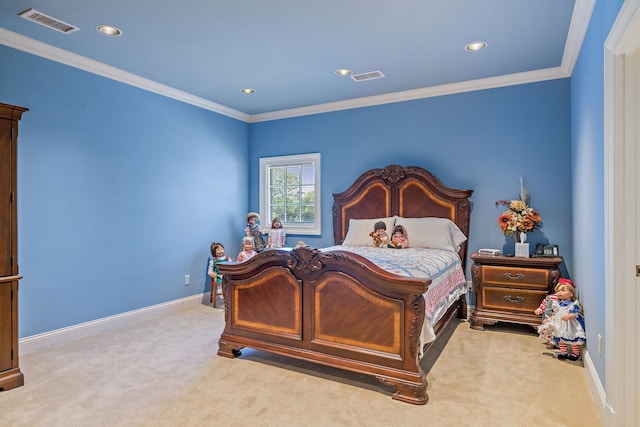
<point>598,392</point>
<point>81,330</point>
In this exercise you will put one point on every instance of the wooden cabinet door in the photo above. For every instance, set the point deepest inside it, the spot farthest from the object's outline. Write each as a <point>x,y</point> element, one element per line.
<point>6,210</point>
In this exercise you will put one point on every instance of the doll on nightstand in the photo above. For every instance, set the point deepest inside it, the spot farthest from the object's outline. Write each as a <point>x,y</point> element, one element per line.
<point>379,235</point>
<point>253,230</point>
<point>566,324</point>
<point>247,250</point>
<point>217,256</point>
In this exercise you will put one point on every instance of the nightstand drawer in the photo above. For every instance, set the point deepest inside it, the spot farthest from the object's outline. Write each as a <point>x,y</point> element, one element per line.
<point>516,277</point>
<point>523,300</point>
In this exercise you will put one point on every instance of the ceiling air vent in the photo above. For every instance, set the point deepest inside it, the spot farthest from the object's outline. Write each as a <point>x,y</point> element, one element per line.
<point>367,76</point>
<point>48,21</point>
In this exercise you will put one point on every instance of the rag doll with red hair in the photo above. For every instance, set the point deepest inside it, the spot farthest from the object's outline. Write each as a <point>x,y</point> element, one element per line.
<point>566,323</point>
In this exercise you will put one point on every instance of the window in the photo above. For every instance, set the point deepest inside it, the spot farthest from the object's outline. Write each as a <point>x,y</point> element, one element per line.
<point>290,190</point>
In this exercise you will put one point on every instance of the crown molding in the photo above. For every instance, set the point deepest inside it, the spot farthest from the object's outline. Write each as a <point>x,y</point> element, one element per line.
<point>410,95</point>
<point>26,44</point>
<point>577,30</point>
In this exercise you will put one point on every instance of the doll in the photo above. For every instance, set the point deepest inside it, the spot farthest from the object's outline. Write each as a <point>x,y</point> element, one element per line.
<point>566,324</point>
<point>248,251</point>
<point>217,256</point>
<point>253,230</point>
<point>277,236</point>
<point>379,235</point>
<point>546,310</point>
<point>399,237</point>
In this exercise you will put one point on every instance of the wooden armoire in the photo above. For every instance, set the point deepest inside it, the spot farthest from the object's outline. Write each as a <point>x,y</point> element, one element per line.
<point>10,374</point>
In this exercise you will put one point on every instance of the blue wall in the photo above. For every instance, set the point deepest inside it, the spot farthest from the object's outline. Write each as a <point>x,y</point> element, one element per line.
<point>481,141</point>
<point>120,193</point>
<point>587,146</point>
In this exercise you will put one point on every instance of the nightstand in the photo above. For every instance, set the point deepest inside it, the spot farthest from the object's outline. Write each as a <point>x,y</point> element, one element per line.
<point>509,289</point>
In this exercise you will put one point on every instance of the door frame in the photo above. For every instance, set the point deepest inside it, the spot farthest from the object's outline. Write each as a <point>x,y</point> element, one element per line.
<point>621,169</point>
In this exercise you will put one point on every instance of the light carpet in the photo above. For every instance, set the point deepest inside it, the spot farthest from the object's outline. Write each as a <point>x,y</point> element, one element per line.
<point>165,372</point>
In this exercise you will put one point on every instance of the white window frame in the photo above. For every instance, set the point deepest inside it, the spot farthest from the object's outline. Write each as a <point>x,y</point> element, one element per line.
<point>265,212</point>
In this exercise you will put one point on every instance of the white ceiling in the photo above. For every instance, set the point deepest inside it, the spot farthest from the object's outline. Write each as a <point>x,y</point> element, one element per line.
<point>205,51</point>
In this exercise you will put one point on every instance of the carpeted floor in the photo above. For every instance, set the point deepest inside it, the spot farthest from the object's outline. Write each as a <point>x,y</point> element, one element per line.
<point>165,372</point>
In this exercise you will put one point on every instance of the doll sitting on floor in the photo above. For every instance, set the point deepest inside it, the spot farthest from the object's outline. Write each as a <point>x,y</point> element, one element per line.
<point>546,310</point>
<point>566,324</point>
<point>379,235</point>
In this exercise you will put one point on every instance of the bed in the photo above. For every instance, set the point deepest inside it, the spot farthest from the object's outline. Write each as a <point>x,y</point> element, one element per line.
<point>336,307</point>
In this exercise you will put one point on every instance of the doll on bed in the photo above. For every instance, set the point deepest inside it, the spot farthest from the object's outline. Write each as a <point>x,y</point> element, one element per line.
<point>399,237</point>
<point>379,235</point>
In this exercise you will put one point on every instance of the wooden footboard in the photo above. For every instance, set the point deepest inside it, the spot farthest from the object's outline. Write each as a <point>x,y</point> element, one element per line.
<point>334,308</point>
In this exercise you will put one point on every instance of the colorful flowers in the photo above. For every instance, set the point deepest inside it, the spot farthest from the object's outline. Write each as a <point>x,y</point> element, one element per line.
<point>520,217</point>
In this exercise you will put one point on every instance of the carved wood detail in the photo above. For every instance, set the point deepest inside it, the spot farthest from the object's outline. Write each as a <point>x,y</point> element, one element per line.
<point>418,307</point>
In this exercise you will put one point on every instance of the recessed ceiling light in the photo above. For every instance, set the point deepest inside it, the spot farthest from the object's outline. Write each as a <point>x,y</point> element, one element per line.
<point>108,30</point>
<point>247,91</point>
<point>475,46</point>
<point>343,72</point>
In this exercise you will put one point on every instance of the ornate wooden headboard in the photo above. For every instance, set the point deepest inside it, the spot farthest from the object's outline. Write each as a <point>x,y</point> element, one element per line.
<point>410,192</point>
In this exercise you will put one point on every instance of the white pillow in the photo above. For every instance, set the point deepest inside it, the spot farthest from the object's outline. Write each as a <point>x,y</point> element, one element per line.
<point>359,229</point>
<point>434,233</point>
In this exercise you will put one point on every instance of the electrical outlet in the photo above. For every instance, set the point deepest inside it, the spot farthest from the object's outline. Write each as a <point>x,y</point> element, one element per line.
<point>469,285</point>
<point>187,279</point>
<point>599,344</point>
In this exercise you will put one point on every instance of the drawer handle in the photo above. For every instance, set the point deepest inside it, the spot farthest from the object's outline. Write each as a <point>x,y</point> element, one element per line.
<point>512,277</point>
<point>512,299</point>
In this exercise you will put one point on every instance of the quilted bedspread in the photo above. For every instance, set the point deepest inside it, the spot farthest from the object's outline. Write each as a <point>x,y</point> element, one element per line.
<point>443,267</point>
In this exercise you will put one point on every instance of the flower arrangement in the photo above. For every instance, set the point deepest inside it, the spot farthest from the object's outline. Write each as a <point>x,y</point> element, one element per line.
<point>520,217</point>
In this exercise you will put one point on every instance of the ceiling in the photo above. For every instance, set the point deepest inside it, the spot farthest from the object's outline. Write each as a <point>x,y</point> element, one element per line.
<point>204,52</point>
